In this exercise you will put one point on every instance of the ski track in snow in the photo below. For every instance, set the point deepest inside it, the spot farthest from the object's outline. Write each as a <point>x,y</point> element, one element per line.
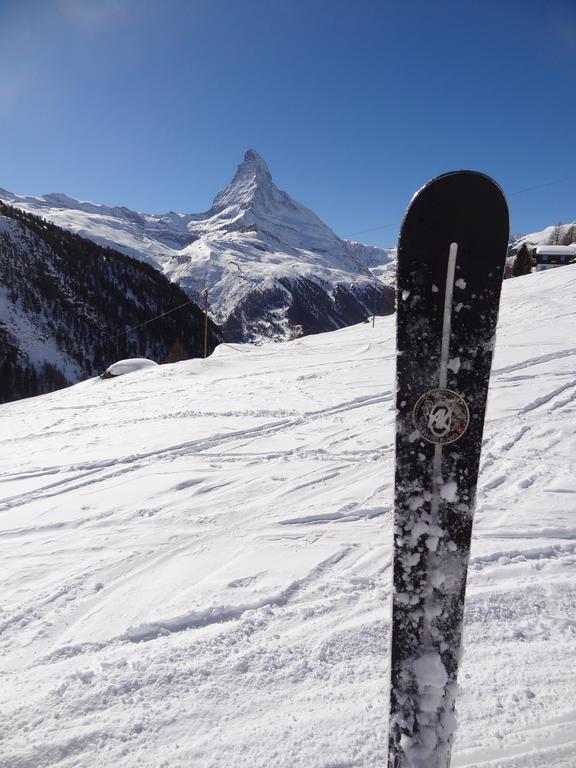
<point>196,560</point>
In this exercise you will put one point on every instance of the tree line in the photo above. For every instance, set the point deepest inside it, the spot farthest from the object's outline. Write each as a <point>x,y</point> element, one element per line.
<point>78,299</point>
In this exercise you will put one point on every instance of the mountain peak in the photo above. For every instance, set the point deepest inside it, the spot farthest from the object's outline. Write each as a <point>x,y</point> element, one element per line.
<point>252,177</point>
<point>253,167</point>
<point>251,156</point>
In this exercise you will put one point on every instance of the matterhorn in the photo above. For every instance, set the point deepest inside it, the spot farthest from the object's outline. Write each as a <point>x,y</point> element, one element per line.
<point>269,267</point>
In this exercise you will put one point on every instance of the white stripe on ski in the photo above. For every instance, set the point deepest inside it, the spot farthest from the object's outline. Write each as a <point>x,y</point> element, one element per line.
<point>436,480</point>
<point>443,375</point>
<point>447,322</point>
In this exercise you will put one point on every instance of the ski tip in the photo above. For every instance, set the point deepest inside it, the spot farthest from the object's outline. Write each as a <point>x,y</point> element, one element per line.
<point>461,191</point>
<point>453,207</point>
<point>463,173</point>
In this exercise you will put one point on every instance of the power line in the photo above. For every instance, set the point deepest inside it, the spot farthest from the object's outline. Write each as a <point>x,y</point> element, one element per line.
<point>129,330</point>
<point>542,186</point>
<point>509,194</point>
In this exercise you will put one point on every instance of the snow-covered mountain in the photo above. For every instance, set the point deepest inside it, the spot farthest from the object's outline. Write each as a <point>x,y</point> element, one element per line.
<point>556,234</point>
<point>65,303</point>
<point>272,267</point>
<point>196,559</point>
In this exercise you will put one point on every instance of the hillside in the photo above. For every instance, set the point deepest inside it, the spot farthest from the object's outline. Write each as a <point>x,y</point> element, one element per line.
<point>557,234</point>
<point>196,564</point>
<point>273,268</point>
<point>65,304</point>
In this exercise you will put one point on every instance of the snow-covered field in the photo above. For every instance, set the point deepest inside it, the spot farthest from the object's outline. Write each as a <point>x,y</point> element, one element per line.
<point>195,559</point>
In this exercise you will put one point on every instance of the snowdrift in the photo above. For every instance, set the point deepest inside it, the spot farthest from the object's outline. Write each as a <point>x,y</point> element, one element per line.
<point>130,365</point>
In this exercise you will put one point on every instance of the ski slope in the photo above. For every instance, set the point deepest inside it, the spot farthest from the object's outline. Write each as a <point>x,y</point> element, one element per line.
<point>196,558</point>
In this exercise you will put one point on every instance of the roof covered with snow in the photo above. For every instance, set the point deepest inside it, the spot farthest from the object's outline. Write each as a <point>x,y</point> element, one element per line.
<point>556,250</point>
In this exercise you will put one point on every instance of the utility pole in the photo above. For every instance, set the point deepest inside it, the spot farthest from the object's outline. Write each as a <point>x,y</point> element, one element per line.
<point>205,322</point>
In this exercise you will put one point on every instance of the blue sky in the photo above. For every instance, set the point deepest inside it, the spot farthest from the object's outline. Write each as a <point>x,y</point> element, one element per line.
<point>354,104</point>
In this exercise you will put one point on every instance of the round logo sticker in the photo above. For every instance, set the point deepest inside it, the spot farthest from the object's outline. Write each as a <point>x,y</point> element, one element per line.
<point>441,416</point>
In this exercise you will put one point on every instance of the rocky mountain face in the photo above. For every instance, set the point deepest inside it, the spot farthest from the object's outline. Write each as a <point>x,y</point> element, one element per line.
<point>272,268</point>
<point>66,304</point>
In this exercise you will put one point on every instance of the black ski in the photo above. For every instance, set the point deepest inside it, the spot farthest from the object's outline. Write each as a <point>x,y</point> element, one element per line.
<point>451,257</point>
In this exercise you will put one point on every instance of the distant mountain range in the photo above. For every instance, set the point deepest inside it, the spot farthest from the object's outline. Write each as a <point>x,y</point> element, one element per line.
<point>72,280</point>
<point>273,269</point>
<point>66,305</point>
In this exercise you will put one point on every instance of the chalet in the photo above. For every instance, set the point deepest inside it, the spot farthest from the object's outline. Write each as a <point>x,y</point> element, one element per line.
<point>550,256</point>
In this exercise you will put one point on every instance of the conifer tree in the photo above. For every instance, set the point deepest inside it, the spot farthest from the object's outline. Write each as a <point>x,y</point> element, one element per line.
<point>523,262</point>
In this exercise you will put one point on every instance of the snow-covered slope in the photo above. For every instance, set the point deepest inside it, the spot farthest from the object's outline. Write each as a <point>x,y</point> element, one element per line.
<point>555,234</point>
<point>196,563</point>
<point>272,267</point>
<point>66,304</point>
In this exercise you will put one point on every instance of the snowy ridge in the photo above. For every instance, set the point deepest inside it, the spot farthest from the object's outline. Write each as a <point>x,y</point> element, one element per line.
<point>558,233</point>
<point>197,558</point>
<point>265,258</point>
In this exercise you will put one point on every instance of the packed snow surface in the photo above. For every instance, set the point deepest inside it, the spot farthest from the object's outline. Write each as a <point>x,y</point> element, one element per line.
<point>196,559</point>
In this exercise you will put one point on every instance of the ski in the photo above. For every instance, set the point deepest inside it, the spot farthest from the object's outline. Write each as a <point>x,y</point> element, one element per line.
<point>451,257</point>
